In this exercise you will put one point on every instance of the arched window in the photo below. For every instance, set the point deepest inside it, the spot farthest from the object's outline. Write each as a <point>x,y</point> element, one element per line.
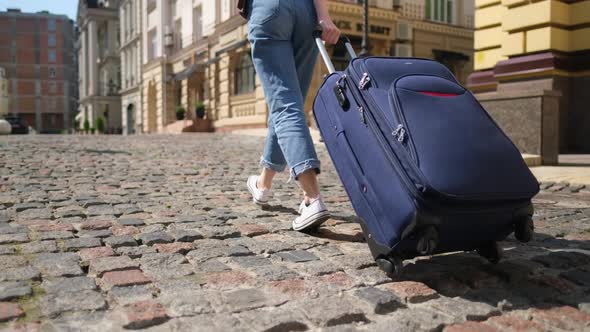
<point>244,74</point>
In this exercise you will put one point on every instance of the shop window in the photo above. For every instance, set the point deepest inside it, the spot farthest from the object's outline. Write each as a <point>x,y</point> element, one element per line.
<point>244,75</point>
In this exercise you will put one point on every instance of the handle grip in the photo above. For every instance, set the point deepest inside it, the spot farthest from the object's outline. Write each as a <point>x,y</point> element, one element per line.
<point>317,34</point>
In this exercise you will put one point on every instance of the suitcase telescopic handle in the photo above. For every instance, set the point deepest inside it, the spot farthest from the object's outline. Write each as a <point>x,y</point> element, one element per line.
<point>317,34</point>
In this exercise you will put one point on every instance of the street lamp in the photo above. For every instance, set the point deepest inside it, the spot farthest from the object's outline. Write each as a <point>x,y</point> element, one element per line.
<point>365,44</point>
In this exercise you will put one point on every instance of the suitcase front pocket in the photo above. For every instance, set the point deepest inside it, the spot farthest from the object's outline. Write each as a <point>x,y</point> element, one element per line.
<point>458,148</point>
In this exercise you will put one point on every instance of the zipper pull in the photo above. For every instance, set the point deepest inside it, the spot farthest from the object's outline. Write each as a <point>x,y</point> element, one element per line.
<point>362,114</point>
<point>364,81</point>
<point>400,133</point>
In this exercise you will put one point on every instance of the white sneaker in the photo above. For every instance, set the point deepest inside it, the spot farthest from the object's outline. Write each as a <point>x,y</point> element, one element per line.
<point>311,216</point>
<point>260,197</point>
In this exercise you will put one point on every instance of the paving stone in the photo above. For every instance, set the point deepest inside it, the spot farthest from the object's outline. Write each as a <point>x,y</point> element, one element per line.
<point>8,261</point>
<point>346,312</point>
<point>125,230</point>
<point>251,261</point>
<point>38,246</point>
<point>101,210</point>
<point>229,279</point>
<point>144,314</point>
<point>131,294</point>
<point>94,225</point>
<point>155,237</point>
<point>135,252</point>
<point>13,238</point>
<point>57,235</point>
<point>203,253</point>
<point>75,244</point>
<point>248,299</point>
<point>87,254</point>
<point>9,311</point>
<point>185,235</point>
<point>220,232</point>
<point>191,303</point>
<point>411,291</point>
<point>99,266</point>
<point>7,250</point>
<point>20,273</point>
<point>120,241</point>
<point>274,272</point>
<point>297,256</point>
<point>54,304</point>
<point>563,317</point>
<point>130,222</point>
<point>64,285</point>
<point>173,248</point>
<point>52,228</point>
<point>252,230</point>
<point>123,278</point>
<point>14,289</point>
<point>100,233</point>
<point>58,264</point>
<point>378,301</point>
<point>160,266</point>
<point>212,265</point>
<point>461,309</point>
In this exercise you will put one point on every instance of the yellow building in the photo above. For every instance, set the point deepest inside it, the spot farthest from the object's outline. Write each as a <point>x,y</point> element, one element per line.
<point>215,66</point>
<point>532,62</point>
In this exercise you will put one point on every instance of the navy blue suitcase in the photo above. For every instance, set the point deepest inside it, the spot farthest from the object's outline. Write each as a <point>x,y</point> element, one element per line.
<point>426,168</point>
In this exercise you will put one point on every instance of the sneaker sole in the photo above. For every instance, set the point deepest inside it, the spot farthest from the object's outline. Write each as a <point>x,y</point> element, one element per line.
<point>257,202</point>
<point>313,221</point>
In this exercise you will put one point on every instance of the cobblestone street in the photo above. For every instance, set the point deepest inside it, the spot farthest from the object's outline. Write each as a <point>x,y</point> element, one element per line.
<point>106,233</point>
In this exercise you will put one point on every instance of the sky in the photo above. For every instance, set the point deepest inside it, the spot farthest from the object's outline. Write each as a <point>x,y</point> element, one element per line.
<point>64,7</point>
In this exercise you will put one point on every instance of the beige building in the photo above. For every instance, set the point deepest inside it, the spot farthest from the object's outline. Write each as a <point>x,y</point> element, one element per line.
<point>198,51</point>
<point>130,20</point>
<point>532,65</point>
<point>99,63</point>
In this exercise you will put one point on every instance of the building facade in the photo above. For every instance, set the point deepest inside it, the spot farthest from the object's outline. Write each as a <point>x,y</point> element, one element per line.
<point>130,18</point>
<point>3,93</point>
<point>198,51</point>
<point>532,65</point>
<point>37,53</point>
<point>99,64</point>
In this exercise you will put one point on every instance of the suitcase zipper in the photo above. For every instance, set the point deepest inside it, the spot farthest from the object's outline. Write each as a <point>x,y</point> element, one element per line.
<point>379,136</point>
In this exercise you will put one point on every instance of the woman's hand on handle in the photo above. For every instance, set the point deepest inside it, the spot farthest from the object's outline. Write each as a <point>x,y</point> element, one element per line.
<point>330,32</point>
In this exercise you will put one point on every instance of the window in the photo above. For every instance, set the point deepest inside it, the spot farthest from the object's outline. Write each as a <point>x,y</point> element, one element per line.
<point>52,72</point>
<point>178,34</point>
<point>52,88</point>
<point>51,40</point>
<point>198,23</point>
<point>244,75</point>
<point>440,10</point>
<point>153,48</point>
<point>51,24</point>
<point>51,56</point>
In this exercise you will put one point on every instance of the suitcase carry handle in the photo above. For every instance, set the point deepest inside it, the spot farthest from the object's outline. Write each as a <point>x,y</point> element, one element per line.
<point>317,34</point>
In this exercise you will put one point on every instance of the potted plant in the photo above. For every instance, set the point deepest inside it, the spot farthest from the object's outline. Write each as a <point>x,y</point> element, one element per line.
<point>86,126</point>
<point>200,110</point>
<point>180,111</point>
<point>92,130</point>
<point>100,125</point>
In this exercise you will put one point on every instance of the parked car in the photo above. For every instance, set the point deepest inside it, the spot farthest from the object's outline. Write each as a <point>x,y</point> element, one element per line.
<point>19,126</point>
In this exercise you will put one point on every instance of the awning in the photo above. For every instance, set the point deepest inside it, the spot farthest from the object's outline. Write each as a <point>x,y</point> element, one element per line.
<point>231,47</point>
<point>187,72</point>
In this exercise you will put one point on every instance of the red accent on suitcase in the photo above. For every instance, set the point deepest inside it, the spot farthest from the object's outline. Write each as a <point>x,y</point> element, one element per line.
<point>438,94</point>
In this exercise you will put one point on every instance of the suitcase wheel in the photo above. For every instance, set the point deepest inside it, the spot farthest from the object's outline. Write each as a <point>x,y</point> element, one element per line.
<point>491,251</point>
<point>427,242</point>
<point>391,265</point>
<point>524,229</point>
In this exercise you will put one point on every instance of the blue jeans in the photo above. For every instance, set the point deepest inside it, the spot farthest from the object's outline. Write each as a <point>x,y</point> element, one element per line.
<point>284,56</point>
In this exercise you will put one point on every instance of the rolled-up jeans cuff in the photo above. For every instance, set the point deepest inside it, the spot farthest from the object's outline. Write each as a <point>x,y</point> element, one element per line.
<point>275,167</point>
<point>305,166</point>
